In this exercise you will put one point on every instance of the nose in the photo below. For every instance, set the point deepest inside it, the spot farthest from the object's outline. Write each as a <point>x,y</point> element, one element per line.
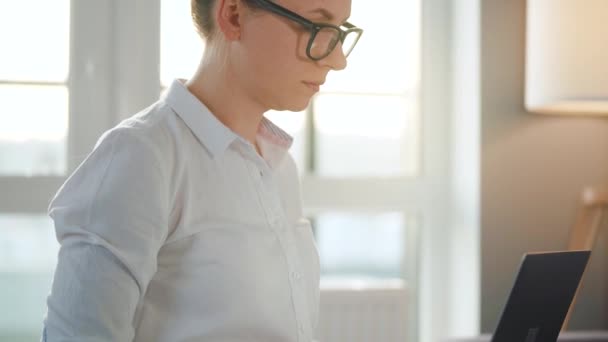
<point>336,59</point>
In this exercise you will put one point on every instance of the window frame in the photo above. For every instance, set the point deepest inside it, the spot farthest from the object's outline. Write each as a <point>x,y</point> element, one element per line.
<point>109,79</point>
<point>114,59</point>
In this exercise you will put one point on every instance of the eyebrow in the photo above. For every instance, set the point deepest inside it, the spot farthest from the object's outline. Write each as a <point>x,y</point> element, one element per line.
<point>326,14</point>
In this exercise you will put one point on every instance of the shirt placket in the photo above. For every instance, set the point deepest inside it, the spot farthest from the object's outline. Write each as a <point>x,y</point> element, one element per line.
<point>271,203</point>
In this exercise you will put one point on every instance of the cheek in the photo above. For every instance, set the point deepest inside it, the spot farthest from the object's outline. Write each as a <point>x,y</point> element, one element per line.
<point>285,50</point>
<point>275,65</point>
<point>276,60</point>
<point>276,45</point>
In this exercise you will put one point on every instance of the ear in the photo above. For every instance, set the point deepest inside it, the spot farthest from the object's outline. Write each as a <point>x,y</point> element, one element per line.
<point>229,18</point>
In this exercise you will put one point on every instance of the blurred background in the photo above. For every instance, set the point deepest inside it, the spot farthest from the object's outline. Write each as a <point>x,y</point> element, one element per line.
<point>422,173</point>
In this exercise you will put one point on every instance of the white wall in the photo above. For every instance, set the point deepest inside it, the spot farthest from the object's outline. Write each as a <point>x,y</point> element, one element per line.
<point>532,171</point>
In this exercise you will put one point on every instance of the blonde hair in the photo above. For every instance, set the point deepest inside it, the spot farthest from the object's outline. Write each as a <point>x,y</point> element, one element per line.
<point>202,16</point>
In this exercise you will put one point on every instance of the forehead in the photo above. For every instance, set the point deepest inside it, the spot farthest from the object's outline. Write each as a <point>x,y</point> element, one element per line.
<point>339,10</point>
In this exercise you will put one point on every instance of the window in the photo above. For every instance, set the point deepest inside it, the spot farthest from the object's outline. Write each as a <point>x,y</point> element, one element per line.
<point>180,45</point>
<point>359,245</point>
<point>33,134</point>
<point>34,126</point>
<point>373,202</point>
<point>55,105</point>
<point>28,254</point>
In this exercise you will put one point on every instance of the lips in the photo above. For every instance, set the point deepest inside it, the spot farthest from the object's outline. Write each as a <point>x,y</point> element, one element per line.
<point>313,85</point>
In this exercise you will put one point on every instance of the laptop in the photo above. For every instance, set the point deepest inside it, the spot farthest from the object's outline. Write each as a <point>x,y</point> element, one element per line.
<point>541,296</point>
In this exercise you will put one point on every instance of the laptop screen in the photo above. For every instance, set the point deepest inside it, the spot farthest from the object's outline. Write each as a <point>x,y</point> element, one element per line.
<point>540,298</point>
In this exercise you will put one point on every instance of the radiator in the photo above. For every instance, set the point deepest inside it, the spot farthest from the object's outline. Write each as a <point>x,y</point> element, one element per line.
<point>363,313</point>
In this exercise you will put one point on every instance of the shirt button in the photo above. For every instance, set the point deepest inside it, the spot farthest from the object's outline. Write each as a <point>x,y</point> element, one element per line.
<point>296,275</point>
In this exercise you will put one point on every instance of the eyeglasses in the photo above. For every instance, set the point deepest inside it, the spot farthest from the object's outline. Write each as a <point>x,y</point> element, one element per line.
<point>323,37</point>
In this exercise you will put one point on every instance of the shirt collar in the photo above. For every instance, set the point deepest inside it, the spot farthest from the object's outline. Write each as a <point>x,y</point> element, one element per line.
<point>217,137</point>
<point>273,142</point>
<point>213,134</point>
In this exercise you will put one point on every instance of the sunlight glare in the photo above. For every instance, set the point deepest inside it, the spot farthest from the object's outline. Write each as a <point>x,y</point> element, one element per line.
<point>33,113</point>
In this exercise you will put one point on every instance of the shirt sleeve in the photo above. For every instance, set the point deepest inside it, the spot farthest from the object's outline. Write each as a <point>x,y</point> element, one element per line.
<point>111,218</point>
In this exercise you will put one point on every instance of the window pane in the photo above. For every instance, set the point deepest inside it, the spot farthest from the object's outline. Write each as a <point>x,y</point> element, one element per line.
<point>181,47</point>
<point>294,123</point>
<point>365,136</point>
<point>386,58</point>
<point>28,255</point>
<point>360,246</point>
<point>35,40</point>
<point>33,130</point>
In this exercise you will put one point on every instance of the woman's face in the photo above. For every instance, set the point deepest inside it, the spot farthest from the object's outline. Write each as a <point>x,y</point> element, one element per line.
<point>270,56</point>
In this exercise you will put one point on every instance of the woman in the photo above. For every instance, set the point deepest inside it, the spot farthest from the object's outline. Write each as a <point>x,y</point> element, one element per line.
<point>185,221</point>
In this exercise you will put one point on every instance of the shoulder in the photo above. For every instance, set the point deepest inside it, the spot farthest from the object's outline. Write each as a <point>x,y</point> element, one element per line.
<point>130,158</point>
<point>155,133</point>
<point>151,127</point>
<point>138,147</point>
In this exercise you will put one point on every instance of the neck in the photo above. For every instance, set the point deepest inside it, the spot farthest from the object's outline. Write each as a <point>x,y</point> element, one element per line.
<point>215,85</point>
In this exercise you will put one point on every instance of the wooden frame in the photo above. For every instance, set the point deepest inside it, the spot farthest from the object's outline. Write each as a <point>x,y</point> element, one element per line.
<point>593,211</point>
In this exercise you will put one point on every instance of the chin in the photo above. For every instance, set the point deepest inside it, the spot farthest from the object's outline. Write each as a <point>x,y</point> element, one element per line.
<point>298,105</point>
<point>294,102</point>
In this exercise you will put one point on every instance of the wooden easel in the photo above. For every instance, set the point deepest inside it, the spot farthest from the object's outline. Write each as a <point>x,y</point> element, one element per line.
<point>592,213</point>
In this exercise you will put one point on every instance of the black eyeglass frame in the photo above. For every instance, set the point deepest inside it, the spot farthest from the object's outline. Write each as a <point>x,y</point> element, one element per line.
<point>313,27</point>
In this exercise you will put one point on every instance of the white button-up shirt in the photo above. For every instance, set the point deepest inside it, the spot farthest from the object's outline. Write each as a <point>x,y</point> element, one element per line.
<point>175,229</point>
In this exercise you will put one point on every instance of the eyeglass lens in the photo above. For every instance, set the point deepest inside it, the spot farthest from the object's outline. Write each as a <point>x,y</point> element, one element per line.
<point>326,40</point>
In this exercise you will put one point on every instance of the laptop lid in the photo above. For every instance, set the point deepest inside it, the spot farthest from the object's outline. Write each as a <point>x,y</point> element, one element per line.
<point>540,298</point>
